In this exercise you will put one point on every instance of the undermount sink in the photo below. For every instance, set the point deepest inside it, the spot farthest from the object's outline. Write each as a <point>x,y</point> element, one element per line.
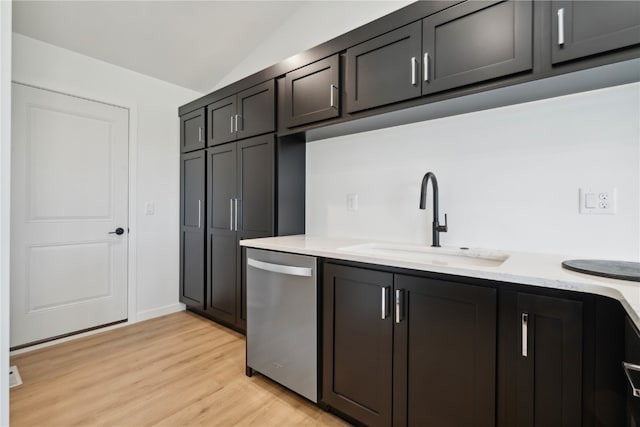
<point>429,255</point>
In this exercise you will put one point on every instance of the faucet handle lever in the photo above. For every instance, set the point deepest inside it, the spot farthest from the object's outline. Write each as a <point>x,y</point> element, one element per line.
<point>443,228</point>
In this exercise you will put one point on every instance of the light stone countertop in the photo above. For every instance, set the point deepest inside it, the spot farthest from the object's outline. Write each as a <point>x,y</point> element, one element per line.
<point>524,268</point>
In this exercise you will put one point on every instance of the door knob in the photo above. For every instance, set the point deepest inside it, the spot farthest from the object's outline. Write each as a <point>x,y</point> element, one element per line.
<point>119,231</point>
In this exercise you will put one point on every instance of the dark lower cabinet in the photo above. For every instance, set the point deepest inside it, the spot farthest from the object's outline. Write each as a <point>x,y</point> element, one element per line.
<point>583,28</point>
<point>632,376</point>
<point>408,351</point>
<point>541,358</point>
<point>444,353</point>
<point>358,343</point>
<point>192,228</point>
<point>476,41</point>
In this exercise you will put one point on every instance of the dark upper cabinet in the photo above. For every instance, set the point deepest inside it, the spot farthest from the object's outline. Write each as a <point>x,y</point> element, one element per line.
<point>408,351</point>
<point>468,43</point>
<point>541,358</point>
<point>240,185</point>
<point>582,28</point>
<point>444,353</point>
<point>256,110</point>
<point>312,93</point>
<point>221,116</point>
<point>476,41</point>
<point>246,114</point>
<point>192,228</point>
<point>358,343</point>
<point>385,69</point>
<point>192,131</point>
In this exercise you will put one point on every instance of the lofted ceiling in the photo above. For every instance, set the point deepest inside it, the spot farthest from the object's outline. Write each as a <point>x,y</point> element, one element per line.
<point>193,44</point>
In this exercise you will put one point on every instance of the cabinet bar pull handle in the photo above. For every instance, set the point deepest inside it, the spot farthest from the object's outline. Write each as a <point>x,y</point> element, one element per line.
<point>199,212</point>
<point>235,202</point>
<point>413,70</point>
<point>398,305</point>
<point>525,321</point>
<point>426,66</point>
<point>631,367</point>
<point>238,117</point>
<point>232,124</point>
<point>384,303</point>
<point>200,134</point>
<point>332,102</point>
<point>561,26</point>
<point>230,214</point>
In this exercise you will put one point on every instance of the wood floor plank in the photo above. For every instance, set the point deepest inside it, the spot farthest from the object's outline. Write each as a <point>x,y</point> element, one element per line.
<point>176,370</point>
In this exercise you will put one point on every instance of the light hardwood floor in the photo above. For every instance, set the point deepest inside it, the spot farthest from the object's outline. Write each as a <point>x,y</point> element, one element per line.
<point>176,370</point>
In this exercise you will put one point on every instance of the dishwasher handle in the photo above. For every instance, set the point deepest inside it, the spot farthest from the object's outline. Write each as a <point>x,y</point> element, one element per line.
<point>279,268</point>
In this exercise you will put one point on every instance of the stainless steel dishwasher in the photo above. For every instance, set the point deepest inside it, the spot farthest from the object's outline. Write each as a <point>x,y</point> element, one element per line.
<point>282,319</point>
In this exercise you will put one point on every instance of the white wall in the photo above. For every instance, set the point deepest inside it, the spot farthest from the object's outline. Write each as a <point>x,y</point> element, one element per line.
<point>508,177</point>
<point>5,177</point>
<point>313,23</point>
<point>154,106</point>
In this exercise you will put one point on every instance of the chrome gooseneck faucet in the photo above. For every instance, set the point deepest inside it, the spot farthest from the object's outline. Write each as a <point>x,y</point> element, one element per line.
<point>436,227</point>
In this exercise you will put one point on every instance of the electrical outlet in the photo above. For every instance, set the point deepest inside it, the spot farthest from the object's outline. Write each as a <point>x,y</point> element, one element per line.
<point>352,202</point>
<point>598,201</point>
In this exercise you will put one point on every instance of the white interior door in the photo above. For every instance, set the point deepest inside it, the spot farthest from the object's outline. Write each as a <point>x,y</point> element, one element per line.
<point>69,191</point>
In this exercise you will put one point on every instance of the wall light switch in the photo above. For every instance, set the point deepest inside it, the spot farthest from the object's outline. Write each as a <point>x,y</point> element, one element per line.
<point>598,201</point>
<point>352,202</point>
<point>149,208</point>
<point>590,200</point>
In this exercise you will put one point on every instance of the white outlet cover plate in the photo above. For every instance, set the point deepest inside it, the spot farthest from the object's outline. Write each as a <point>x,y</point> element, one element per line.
<point>14,377</point>
<point>601,195</point>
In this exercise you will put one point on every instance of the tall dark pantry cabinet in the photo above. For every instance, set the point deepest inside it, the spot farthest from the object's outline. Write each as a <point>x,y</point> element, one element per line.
<point>238,180</point>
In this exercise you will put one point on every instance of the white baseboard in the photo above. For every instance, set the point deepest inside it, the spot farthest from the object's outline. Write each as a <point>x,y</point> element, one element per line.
<point>143,315</point>
<point>160,311</point>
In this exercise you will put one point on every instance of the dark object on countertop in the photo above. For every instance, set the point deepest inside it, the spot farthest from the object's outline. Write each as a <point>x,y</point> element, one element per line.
<point>623,270</point>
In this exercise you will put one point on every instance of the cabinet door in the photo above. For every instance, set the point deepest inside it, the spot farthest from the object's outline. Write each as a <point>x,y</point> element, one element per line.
<point>476,41</point>
<point>548,389</point>
<point>221,121</point>
<point>192,132</point>
<point>357,339</point>
<point>444,353</point>
<point>192,231</point>
<point>385,69</point>
<point>312,93</point>
<point>221,236</point>
<point>256,110</point>
<point>632,355</point>
<point>255,184</point>
<point>582,28</point>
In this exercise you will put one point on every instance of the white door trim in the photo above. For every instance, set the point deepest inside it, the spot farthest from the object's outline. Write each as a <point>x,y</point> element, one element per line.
<point>132,108</point>
<point>5,203</point>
